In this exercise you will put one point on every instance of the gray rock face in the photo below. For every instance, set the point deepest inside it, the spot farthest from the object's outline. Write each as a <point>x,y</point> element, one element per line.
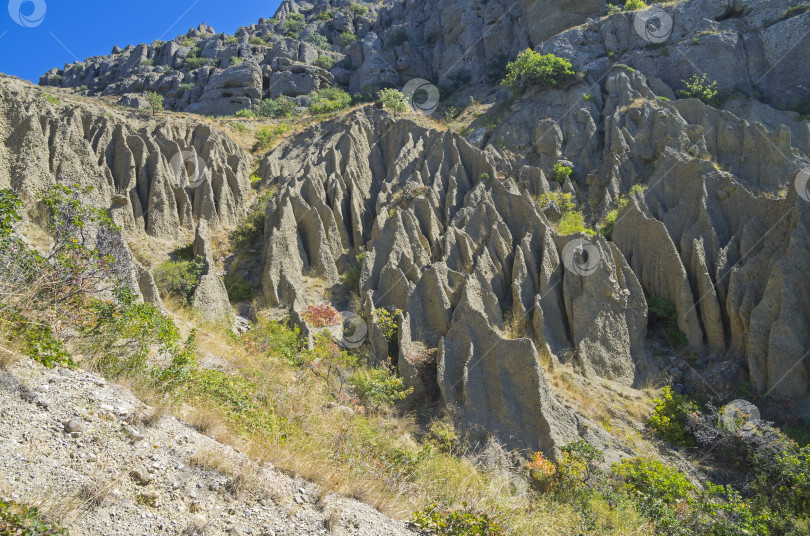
<point>210,297</point>
<point>455,252</point>
<point>145,172</point>
<point>230,90</point>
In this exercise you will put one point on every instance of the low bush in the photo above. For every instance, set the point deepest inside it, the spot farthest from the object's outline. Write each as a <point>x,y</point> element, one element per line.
<point>325,62</point>
<point>188,42</point>
<point>346,39</point>
<point>633,5</point>
<point>245,113</point>
<point>534,68</point>
<point>561,172</point>
<point>236,60</point>
<point>393,100</point>
<point>322,315</point>
<point>670,417</point>
<point>329,100</point>
<point>256,40</point>
<point>184,88</point>
<point>318,40</point>
<point>293,26</point>
<point>664,315</point>
<point>16,519</point>
<point>231,40</point>
<point>147,62</point>
<point>698,88</point>
<point>282,106</point>
<point>572,223</point>
<point>396,38</point>
<point>379,386</point>
<point>464,521</point>
<point>325,16</point>
<point>265,136</point>
<point>179,278</point>
<point>358,9</point>
<point>239,288</point>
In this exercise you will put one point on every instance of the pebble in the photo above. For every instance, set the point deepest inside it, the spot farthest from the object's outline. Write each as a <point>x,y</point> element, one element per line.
<point>141,476</point>
<point>74,426</point>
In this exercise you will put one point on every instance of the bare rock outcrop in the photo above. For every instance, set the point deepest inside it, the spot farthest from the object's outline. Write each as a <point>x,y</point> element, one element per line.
<point>210,297</point>
<point>474,268</point>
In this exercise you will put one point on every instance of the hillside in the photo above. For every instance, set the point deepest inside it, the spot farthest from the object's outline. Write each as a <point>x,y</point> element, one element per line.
<point>571,260</point>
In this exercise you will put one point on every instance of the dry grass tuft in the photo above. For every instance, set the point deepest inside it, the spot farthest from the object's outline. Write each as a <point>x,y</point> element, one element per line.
<point>205,420</point>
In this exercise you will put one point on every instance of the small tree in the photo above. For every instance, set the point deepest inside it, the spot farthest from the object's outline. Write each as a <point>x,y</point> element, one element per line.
<point>347,38</point>
<point>698,88</point>
<point>155,101</point>
<point>547,70</point>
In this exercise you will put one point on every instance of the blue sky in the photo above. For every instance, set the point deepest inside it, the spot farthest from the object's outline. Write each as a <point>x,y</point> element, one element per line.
<point>76,29</point>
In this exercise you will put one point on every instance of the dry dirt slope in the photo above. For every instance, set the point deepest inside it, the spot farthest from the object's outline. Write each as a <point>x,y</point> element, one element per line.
<point>96,458</point>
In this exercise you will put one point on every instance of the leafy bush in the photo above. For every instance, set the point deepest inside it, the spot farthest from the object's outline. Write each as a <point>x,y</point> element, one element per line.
<point>379,386</point>
<point>17,519</point>
<point>147,62</point>
<point>612,9</point>
<point>239,289</point>
<point>358,9</point>
<point>325,62</point>
<point>322,315</point>
<point>461,522</point>
<point>396,38</point>
<point>612,216</point>
<point>565,202</point>
<point>231,40</point>
<point>329,100</point>
<point>697,88</point>
<point>325,16</point>
<point>573,222</point>
<point>256,40</point>
<point>236,60</point>
<point>184,88</point>
<point>318,40</point>
<point>282,106</point>
<point>393,99</point>
<point>561,172</point>
<point>387,322</point>
<point>670,416</point>
<point>293,27</point>
<point>194,61</point>
<point>179,278</point>
<point>266,135</point>
<point>351,277</point>
<point>542,471</point>
<point>632,5</point>
<point>246,113</point>
<point>347,38</point>
<point>548,70</point>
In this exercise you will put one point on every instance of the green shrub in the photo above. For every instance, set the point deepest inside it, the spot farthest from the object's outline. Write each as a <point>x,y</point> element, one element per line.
<point>239,289</point>
<point>38,340</point>
<point>351,277</point>
<point>188,42</point>
<point>358,9</point>
<point>632,5</point>
<point>669,417</point>
<point>325,62</point>
<point>179,278</point>
<point>329,100</point>
<point>21,520</point>
<point>564,201</point>
<point>654,480</point>
<point>245,113</point>
<point>147,62</point>
<point>231,40</point>
<point>236,60</point>
<point>697,88</point>
<point>396,38</point>
<point>612,9</point>
<point>572,223</point>
<point>194,61</point>
<point>461,522</point>
<point>56,80</point>
<point>394,100</point>
<point>318,40</point>
<point>612,216</point>
<point>282,106</point>
<point>347,38</point>
<point>379,386</point>
<point>548,70</point>
<point>256,40</point>
<point>239,126</point>
<point>293,27</point>
<point>266,135</point>
<point>296,16</point>
<point>561,172</point>
<point>325,16</point>
<point>184,88</point>
<point>51,99</point>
